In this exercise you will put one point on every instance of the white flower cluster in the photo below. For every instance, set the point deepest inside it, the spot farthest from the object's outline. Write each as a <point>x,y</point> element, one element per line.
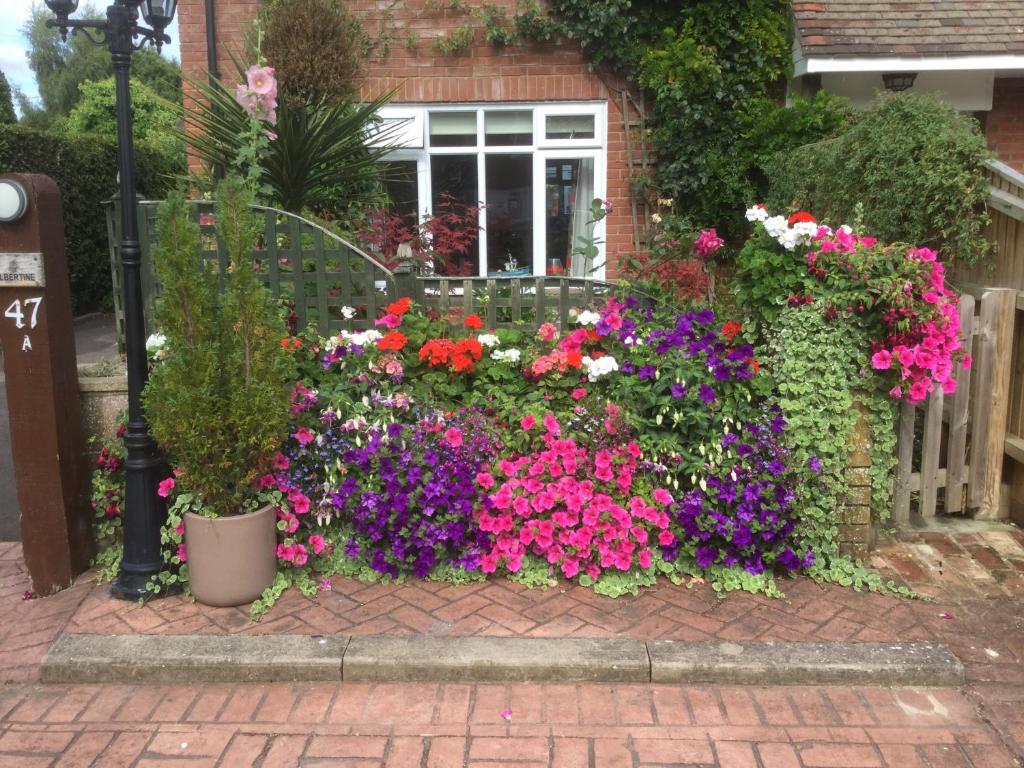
<point>779,229</point>
<point>348,312</point>
<point>506,355</point>
<point>602,366</point>
<point>360,339</point>
<point>588,318</point>
<point>488,340</point>
<point>155,343</point>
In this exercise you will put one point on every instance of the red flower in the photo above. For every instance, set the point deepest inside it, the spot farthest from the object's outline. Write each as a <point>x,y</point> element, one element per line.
<point>754,364</point>
<point>399,307</point>
<point>394,341</point>
<point>574,359</point>
<point>285,343</point>
<point>800,216</point>
<point>730,329</point>
<point>437,351</point>
<point>473,322</point>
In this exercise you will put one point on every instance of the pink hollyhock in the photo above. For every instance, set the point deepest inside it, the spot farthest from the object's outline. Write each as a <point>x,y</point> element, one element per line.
<point>453,437</point>
<point>164,489</point>
<point>304,436</point>
<point>261,80</point>
<point>579,393</point>
<point>881,360</point>
<point>317,543</point>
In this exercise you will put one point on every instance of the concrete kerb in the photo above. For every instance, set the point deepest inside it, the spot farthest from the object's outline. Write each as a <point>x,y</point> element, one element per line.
<point>298,658</point>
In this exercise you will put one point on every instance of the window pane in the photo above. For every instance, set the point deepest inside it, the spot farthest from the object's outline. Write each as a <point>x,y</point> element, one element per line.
<point>453,185</point>
<point>453,129</point>
<point>400,185</point>
<point>508,129</point>
<point>569,127</point>
<point>568,193</point>
<point>509,214</point>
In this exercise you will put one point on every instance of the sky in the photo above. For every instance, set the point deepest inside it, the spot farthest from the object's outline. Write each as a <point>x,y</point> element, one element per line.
<point>13,45</point>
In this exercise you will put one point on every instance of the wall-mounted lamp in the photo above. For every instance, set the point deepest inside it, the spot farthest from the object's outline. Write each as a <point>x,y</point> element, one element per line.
<point>898,81</point>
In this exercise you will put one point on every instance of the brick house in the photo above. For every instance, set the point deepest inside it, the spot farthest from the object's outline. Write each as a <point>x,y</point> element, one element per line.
<point>972,53</point>
<point>529,130</point>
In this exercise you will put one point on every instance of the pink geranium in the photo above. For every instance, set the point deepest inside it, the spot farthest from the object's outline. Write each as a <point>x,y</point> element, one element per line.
<point>164,489</point>
<point>707,244</point>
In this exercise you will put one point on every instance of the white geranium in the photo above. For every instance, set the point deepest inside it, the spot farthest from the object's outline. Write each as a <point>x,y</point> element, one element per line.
<point>588,318</point>
<point>805,231</point>
<point>488,340</point>
<point>757,213</point>
<point>776,226</point>
<point>602,366</point>
<point>506,355</point>
<point>362,338</point>
<point>348,312</point>
<point>155,343</point>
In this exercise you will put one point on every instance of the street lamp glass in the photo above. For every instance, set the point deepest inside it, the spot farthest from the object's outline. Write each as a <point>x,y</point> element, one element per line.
<point>62,8</point>
<point>159,13</point>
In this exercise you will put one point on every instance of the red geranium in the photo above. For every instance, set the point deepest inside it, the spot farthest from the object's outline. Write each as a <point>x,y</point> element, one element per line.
<point>399,307</point>
<point>730,329</point>
<point>393,341</point>
<point>473,322</point>
<point>437,351</point>
<point>800,216</point>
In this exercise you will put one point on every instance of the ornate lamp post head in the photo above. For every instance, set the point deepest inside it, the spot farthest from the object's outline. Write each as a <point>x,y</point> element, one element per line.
<point>159,13</point>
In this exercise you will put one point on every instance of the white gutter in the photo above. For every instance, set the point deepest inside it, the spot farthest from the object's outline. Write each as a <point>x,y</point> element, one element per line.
<point>825,64</point>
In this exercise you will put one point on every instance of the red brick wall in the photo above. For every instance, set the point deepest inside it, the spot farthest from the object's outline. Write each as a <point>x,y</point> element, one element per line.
<point>1004,125</point>
<point>481,73</point>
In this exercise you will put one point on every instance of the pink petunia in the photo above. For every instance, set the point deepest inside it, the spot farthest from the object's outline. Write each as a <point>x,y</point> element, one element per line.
<point>453,437</point>
<point>485,480</point>
<point>579,393</point>
<point>182,554</point>
<point>304,435</point>
<point>527,422</point>
<point>551,424</point>
<point>881,360</point>
<point>662,496</point>
<point>317,543</point>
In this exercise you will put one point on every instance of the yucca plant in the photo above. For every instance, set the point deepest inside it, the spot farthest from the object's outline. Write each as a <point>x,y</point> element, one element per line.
<point>315,147</point>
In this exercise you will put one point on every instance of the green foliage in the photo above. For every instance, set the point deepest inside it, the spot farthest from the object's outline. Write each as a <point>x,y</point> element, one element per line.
<point>317,48</point>
<point>714,71</point>
<point>154,120</point>
<point>85,169</point>
<point>913,162</point>
<point>218,401</point>
<point>765,277</point>
<point>7,113</point>
<point>457,41</point>
<point>61,68</point>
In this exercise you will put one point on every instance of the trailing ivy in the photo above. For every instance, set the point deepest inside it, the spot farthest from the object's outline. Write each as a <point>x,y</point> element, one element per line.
<point>822,376</point>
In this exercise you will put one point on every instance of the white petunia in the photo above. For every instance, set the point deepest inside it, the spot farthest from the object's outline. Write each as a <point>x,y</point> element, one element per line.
<point>602,366</point>
<point>588,318</point>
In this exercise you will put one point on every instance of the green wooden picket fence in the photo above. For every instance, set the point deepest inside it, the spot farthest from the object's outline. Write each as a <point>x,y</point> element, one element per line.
<point>319,273</point>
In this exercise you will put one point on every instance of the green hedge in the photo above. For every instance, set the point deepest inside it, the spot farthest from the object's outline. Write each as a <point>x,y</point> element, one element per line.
<point>909,169</point>
<point>85,169</point>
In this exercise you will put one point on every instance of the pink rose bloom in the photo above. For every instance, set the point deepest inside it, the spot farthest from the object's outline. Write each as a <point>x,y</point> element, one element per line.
<point>707,244</point>
<point>304,436</point>
<point>261,80</point>
<point>579,393</point>
<point>547,331</point>
<point>881,360</point>
<point>317,543</point>
<point>453,437</point>
<point>164,489</point>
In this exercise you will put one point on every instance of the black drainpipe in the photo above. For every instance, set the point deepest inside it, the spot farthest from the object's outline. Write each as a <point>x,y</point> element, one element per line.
<point>211,62</point>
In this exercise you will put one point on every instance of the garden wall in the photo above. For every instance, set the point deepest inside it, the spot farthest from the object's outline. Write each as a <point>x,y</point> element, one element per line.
<point>1004,124</point>
<point>405,59</point>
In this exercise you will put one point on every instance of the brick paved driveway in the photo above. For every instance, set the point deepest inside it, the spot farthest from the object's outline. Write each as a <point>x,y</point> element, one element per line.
<point>976,580</point>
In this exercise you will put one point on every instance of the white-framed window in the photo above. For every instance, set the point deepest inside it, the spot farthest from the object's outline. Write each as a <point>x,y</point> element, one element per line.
<point>535,166</point>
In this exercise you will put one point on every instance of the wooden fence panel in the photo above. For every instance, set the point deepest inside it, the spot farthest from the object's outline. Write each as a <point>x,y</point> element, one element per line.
<point>956,467</point>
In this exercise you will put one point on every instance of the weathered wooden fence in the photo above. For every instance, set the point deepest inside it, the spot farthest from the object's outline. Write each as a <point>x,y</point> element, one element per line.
<point>319,274</point>
<point>1006,207</point>
<point>950,449</point>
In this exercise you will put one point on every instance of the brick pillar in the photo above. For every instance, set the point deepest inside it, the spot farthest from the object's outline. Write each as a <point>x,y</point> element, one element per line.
<point>856,531</point>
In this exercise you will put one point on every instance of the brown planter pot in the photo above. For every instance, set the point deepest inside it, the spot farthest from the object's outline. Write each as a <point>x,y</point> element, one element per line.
<point>231,560</point>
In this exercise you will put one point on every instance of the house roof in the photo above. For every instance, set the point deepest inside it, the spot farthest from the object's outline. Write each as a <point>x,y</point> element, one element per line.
<point>866,29</point>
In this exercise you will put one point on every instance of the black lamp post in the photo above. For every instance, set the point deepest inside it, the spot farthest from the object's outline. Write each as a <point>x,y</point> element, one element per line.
<point>144,511</point>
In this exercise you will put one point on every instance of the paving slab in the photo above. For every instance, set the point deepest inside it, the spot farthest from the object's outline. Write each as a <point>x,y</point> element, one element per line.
<point>770,663</point>
<point>194,659</point>
<point>496,659</point>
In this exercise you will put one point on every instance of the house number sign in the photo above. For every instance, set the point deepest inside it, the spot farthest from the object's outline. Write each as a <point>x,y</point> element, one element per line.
<point>22,270</point>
